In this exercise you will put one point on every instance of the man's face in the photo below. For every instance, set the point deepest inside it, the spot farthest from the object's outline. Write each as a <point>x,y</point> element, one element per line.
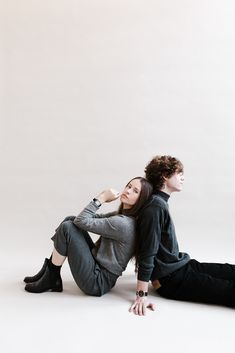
<point>175,182</point>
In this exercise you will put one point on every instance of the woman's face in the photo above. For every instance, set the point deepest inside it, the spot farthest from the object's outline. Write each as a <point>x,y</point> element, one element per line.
<point>131,193</point>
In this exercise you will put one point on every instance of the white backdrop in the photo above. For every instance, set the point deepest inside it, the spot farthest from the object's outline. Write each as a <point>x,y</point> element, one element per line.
<point>92,90</point>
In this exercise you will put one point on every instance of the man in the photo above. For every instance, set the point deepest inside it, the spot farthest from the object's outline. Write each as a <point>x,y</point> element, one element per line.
<point>173,274</point>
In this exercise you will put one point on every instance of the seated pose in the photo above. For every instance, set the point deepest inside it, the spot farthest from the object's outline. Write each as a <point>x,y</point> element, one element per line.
<point>95,266</point>
<point>173,274</point>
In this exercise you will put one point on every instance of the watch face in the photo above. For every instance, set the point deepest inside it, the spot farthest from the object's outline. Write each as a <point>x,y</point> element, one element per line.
<point>141,293</point>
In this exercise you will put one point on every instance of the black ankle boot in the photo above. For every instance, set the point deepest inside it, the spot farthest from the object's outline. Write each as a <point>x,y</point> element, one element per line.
<point>38,275</point>
<point>50,281</point>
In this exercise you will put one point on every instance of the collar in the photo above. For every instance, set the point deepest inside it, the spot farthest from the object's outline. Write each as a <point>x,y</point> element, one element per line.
<point>163,195</point>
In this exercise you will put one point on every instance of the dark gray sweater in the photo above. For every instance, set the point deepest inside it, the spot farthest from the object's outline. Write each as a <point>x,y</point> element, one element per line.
<point>158,247</point>
<point>116,245</point>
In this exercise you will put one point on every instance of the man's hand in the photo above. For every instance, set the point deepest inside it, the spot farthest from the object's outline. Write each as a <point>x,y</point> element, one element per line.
<point>140,305</point>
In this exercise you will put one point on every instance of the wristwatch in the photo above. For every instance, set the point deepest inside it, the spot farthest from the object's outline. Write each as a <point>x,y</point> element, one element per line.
<point>141,293</point>
<point>97,202</point>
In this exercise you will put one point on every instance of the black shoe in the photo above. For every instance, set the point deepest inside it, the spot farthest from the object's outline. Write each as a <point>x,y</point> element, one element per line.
<point>38,275</point>
<point>50,281</point>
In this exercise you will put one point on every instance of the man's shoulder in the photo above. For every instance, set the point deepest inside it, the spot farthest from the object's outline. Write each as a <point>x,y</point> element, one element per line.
<point>153,204</point>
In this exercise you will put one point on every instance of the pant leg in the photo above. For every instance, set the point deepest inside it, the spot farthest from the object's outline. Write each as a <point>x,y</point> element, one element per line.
<point>217,270</point>
<point>76,244</point>
<point>188,284</point>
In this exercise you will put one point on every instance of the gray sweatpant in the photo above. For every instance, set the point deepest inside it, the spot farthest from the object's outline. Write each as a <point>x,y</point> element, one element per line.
<point>76,244</point>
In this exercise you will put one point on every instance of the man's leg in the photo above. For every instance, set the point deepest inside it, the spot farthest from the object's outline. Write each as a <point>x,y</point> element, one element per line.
<point>188,284</point>
<point>217,270</point>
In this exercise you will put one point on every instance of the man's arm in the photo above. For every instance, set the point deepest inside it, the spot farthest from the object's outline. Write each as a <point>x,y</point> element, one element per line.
<point>149,228</point>
<point>141,303</point>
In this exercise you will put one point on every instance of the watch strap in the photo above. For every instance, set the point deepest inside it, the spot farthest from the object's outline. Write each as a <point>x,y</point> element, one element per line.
<point>97,202</point>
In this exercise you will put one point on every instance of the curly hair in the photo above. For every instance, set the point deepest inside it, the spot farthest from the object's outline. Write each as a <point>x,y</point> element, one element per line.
<point>161,167</point>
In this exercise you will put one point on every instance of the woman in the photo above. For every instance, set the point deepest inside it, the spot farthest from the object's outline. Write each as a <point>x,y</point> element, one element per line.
<point>94,266</point>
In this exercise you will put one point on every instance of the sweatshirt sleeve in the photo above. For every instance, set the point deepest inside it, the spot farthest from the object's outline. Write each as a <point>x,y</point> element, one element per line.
<point>114,227</point>
<point>149,228</point>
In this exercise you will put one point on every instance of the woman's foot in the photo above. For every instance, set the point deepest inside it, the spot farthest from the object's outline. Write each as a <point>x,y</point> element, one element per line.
<point>38,275</point>
<point>49,281</point>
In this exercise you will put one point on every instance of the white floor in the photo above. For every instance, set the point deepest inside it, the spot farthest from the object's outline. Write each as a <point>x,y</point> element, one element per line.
<point>72,322</point>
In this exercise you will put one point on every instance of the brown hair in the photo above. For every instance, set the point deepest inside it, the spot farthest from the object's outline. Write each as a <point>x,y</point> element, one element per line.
<point>145,193</point>
<point>161,167</point>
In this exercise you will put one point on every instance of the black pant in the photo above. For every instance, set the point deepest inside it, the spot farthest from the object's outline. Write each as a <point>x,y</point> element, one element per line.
<point>201,282</point>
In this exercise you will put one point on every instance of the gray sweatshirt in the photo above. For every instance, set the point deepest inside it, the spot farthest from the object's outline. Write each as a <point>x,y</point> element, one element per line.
<point>115,247</point>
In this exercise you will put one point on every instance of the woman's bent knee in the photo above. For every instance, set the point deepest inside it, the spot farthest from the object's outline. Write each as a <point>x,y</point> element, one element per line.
<point>69,218</point>
<point>67,225</point>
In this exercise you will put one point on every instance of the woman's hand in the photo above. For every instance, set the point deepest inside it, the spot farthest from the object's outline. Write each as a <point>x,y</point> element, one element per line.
<point>108,195</point>
<point>140,305</point>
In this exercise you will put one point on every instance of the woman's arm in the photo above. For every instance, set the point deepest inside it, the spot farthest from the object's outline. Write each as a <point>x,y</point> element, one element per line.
<point>113,227</point>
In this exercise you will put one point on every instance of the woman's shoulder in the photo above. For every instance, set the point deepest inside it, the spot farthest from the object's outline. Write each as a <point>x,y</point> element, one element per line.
<point>123,218</point>
<point>125,224</point>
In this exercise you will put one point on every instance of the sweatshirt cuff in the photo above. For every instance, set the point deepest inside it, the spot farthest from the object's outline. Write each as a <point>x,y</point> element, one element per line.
<point>144,278</point>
